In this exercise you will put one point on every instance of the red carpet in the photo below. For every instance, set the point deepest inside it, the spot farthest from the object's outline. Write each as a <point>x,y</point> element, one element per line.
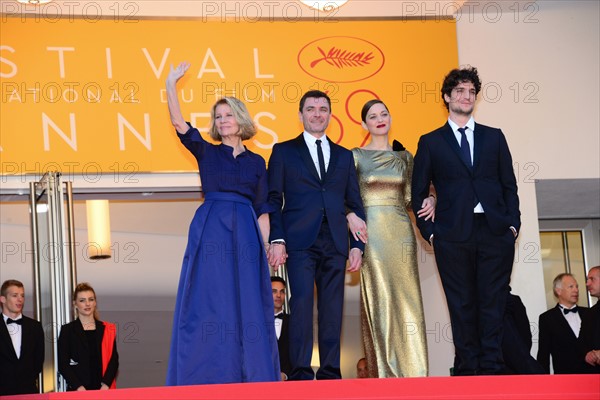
<point>540,387</point>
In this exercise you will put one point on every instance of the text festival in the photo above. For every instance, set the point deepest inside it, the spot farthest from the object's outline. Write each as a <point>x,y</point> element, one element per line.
<point>209,74</point>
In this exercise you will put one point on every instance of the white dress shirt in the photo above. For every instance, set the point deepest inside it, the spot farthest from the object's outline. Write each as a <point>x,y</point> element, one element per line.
<point>573,318</point>
<point>469,133</point>
<point>15,333</point>
<point>278,325</point>
<point>312,148</point>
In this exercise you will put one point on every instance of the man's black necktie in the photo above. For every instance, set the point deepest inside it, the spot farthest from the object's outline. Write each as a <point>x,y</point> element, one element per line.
<point>464,147</point>
<point>465,152</point>
<point>568,310</point>
<point>321,160</point>
<point>14,321</point>
<point>280,316</point>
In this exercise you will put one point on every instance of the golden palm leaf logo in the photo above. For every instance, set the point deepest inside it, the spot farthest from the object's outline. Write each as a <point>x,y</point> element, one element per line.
<point>341,59</point>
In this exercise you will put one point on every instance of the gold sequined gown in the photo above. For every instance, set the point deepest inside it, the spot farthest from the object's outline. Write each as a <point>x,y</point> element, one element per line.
<point>392,320</point>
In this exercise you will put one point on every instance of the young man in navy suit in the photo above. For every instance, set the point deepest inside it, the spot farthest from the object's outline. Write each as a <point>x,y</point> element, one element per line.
<point>314,191</point>
<point>21,343</point>
<point>477,220</point>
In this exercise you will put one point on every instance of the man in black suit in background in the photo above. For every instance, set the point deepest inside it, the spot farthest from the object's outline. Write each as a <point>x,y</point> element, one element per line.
<point>559,330</point>
<point>477,219</point>
<point>282,326</point>
<point>517,340</point>
<point>590,323</point>
<point>21,343</point>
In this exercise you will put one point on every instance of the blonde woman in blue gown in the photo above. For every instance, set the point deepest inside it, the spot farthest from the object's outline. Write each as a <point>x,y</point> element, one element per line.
<point>223,329</point>
<point>392,320</point>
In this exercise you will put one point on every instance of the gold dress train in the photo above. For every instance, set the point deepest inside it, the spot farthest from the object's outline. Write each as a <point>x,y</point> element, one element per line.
<point>392,320</point>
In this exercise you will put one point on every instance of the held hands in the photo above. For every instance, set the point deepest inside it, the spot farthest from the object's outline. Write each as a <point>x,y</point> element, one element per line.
<point>176,73</point>
<point>357,227</point>
<point>355,259</point>
<point>427,209</point>
<point>276,255</point>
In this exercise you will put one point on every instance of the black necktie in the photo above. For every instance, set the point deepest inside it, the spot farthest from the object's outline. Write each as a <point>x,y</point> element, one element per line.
<point>321,160</point>
<point>568,310</point>
<point>464,147</point>
<point>14,321</point>
<point>280,316</point>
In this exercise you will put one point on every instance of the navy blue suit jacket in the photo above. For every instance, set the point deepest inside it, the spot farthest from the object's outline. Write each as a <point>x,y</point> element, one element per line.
<point>491,181</point>
<point>300,199</point>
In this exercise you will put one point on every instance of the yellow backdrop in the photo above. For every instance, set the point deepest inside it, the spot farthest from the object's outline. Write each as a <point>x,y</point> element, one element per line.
<point>80,96</point>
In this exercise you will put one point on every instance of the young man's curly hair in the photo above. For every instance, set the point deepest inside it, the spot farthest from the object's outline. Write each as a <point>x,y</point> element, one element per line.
<point>457,76</point>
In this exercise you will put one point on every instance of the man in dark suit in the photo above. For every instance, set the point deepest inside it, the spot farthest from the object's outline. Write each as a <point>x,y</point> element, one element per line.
<point>282,325</point>
<point>559,330</point>
<point>517,340</point>
<point>312,184</point>
<point>477,220</point>
<point>590,323</point>
<point>21,343</point>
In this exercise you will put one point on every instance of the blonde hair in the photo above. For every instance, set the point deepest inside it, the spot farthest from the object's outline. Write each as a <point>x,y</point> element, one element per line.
<point>86,287</point>
<point>241,115</point>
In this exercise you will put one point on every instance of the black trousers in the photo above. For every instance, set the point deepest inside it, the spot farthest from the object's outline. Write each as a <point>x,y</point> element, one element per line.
<point>475,275</point>
<point>324,265</point>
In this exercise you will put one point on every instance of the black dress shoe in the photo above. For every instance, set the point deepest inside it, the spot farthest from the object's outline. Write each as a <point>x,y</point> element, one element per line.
<point>466,372</point>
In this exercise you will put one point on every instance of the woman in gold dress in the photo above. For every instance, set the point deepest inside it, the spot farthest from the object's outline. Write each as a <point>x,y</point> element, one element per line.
<point>393,325</point>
